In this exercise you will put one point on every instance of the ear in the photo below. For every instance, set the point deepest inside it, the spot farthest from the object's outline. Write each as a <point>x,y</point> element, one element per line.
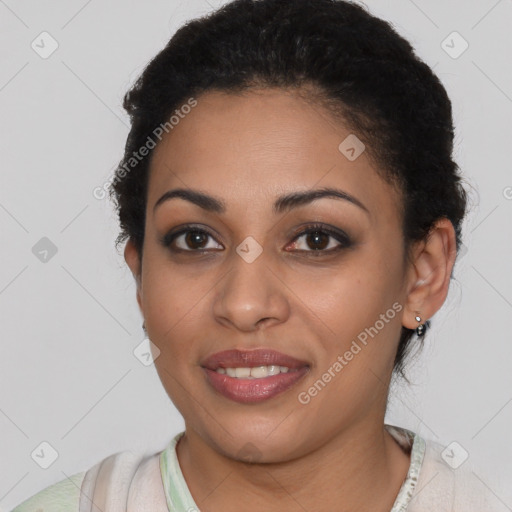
<point>132,258</point>
<point>429,274</point>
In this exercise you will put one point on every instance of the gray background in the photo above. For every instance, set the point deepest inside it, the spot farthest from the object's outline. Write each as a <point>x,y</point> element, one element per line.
<point>69,325</point>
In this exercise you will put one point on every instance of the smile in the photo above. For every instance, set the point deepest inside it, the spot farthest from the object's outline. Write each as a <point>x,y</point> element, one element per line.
<point>252,376</point>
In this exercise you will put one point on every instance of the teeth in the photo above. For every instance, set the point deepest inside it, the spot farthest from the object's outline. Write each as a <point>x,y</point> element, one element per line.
<point>258,372</point>
<point>273,370</point>
<point>242,373</point>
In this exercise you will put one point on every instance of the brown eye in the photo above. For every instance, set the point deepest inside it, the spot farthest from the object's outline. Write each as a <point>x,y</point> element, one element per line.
<point>317,240</point>
<point>196,239</point>
<point>320,239</point>
<point>189,240</point>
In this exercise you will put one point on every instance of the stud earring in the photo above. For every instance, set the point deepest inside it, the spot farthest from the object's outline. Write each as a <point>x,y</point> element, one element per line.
<point>144,327</point>
<point>420,330</point>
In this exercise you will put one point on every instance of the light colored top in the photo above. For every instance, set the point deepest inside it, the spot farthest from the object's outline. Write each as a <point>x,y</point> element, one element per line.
<point>135,482</point>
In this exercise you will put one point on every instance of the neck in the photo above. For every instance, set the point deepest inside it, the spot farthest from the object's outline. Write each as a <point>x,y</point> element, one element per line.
<point>337,476</point>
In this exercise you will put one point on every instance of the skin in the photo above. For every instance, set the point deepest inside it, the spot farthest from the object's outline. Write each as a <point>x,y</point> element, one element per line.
<point>246,150</point>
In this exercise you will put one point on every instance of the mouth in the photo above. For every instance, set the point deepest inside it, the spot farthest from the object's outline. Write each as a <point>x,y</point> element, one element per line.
<point>253,376</point>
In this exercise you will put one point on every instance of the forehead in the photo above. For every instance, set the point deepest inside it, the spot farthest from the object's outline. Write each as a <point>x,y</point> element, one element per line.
<point>250,148</point>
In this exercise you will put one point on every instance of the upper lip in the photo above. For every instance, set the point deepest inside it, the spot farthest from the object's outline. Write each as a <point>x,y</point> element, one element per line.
<point>250,358</point>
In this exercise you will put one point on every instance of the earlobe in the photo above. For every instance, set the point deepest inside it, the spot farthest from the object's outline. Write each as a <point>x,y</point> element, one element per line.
<point>430,274</point>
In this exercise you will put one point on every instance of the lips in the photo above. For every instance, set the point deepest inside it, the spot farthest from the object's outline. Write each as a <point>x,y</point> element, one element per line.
<point>252,390</point>
<point>251,359</point>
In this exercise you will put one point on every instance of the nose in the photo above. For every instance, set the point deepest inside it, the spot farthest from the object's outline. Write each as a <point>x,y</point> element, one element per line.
<point>251,296</point>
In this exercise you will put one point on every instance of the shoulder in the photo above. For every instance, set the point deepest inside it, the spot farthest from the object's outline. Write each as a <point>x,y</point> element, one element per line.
<point>448,480</point>
<point>63,496</point>
<point>109,480</point>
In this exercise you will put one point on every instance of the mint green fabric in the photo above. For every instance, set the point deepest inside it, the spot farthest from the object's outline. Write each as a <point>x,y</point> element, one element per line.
<point>64,496</point>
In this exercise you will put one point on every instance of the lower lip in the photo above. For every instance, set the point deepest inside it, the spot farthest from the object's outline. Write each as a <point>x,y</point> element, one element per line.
<point>253,390</point>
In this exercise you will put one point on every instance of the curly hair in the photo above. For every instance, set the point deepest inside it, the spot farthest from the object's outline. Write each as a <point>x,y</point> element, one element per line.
<point>340,56</point>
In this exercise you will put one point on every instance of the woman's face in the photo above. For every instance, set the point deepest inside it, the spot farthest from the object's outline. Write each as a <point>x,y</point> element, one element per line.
<point>252,278</point>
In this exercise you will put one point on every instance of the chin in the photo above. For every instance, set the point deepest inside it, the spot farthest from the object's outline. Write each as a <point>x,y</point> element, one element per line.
<point>256,442</point>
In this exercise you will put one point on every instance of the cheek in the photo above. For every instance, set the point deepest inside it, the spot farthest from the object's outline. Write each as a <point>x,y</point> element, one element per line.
<point>361,303</point>
<point>358,289</point>
<point>177,309</point>
<point>169,290</point>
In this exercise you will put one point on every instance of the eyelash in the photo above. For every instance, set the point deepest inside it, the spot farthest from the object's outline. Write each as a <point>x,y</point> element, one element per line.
<point>341,237</point>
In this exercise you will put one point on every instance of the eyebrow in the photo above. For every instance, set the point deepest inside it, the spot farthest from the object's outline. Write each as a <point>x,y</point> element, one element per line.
<point>282,203</point>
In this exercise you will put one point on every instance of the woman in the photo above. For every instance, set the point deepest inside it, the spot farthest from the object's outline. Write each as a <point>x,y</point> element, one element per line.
<point>292,215</point>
